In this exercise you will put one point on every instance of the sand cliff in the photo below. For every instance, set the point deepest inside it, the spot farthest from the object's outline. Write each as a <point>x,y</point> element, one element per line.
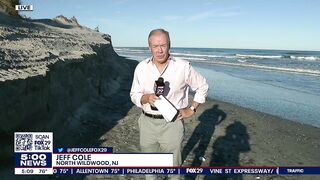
<point>50,72</point>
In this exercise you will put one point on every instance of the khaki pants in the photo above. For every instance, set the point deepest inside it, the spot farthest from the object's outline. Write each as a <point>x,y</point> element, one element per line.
<point>157,135</point>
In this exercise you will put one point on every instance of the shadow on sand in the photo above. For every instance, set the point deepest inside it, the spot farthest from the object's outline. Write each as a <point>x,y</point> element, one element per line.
<point>203,133</point>
<point>227,149</point>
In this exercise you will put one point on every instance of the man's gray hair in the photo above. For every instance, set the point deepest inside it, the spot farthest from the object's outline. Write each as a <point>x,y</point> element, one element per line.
<point>155,31</point>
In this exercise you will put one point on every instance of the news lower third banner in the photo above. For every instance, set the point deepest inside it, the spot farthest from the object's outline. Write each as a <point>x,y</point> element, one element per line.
<point>35,155</point>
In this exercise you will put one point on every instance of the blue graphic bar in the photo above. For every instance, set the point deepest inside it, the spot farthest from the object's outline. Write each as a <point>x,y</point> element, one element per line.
<point>33,160</point>
<point>189,170</point>
<point>299,170</point>
<point>80,150</point>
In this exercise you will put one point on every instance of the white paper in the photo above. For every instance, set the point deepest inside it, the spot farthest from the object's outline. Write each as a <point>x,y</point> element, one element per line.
<point>167,110</point>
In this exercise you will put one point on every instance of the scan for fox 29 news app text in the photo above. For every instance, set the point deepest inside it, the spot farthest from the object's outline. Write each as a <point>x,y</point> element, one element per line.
<point>35,155</point>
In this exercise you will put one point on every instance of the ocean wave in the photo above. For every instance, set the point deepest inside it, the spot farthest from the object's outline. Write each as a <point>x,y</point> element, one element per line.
<point>194,58</point>
<point>309,58</point>
<point>242,61</point>
<point>258,56</point>
<point>130,50</point>
<point>272,68</point>
<point>251,56</point>
<point>248,56</point>
<point>285,56</point>
<point>196,55</point>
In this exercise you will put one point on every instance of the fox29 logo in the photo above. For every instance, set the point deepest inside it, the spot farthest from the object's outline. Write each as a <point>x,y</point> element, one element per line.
<point>33,159</point>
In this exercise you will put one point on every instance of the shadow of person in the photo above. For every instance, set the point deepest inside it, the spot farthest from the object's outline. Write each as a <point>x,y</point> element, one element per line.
<point>203,133</point>
<point>227,149</point>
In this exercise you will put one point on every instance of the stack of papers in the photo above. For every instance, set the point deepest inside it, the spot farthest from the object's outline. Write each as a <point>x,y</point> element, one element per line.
<point>168,111</point>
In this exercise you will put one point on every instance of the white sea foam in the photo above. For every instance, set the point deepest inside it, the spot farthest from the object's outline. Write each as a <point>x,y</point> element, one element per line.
<point>194,58</point>
<point>309,58</point>
<point>291,70</point>
<point>130,50</point>
<point>258,56</point>
<point>248,56</point>
<point>195,55</point>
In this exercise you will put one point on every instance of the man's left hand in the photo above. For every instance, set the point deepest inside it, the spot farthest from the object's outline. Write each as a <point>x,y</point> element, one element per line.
<point>185,113</point>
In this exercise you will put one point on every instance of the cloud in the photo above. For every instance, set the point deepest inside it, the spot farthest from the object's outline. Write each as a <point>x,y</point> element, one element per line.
<point>172,18</point>
<point>199,16</point>
<point>229,14</point>
<point>203,15</point>
<point>211,14</point>
<point>209,2</point>
<point>121,2</point>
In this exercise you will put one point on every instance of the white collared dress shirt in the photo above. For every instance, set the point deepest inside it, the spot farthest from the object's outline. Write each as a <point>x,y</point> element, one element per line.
<point>178,76</point>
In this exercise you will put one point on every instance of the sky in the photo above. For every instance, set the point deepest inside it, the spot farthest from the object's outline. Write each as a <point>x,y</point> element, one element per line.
<point>243,24</point>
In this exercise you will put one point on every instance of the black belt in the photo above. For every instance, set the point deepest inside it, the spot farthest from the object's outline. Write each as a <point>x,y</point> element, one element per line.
<point>153,115</point>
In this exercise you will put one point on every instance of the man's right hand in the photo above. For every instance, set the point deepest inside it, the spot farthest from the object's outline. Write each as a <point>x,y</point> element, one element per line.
<point>149,98</point>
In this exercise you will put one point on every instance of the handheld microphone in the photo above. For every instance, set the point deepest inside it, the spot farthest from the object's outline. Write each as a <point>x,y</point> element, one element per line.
<point>158,89</point>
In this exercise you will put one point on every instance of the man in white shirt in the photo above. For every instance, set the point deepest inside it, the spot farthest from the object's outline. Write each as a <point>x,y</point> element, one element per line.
<point>156,134</point>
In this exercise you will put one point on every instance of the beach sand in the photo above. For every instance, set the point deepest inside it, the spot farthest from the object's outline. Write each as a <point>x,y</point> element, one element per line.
<point>229,135</point>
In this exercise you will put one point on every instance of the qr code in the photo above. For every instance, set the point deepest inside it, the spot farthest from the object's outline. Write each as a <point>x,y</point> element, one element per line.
<point>23,142</point>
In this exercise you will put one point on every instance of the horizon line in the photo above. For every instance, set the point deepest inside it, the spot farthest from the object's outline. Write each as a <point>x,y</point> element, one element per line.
<point>222,48</point>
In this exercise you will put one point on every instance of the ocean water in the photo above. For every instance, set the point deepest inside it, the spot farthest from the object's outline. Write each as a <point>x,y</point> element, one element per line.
<point>279,82</point>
